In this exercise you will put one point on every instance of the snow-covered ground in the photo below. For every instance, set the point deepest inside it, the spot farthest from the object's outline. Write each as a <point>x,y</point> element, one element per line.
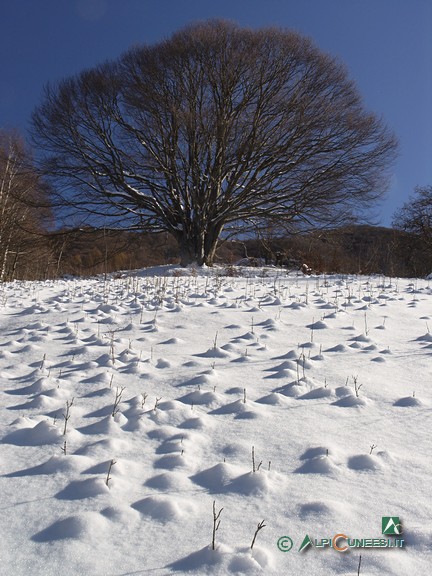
<point>131,406</point>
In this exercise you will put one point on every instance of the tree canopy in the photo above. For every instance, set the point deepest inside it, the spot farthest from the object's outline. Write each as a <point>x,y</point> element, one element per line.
<point>415,216</point>
<point>216,130</point>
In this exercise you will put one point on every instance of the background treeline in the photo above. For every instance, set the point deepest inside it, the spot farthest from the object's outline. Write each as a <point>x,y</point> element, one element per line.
<point>355,249</point>
<point>33,247</point>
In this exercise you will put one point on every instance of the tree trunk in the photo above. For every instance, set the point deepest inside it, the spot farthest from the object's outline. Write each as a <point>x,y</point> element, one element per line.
<point>199,249</point>
<point>3,265</point>
<point>187,252</point>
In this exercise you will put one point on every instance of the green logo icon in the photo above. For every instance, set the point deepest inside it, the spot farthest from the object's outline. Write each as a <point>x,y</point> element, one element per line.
<point>391,525</point>
<point>306,542</point>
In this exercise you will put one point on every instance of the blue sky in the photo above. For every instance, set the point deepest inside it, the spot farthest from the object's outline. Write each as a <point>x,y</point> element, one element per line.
<point>385,44</point>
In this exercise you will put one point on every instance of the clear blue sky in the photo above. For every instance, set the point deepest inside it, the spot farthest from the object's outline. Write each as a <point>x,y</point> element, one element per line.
<point>386,45</point>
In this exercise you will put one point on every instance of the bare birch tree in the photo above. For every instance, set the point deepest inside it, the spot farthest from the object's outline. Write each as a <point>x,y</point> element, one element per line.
<point>20,190</point>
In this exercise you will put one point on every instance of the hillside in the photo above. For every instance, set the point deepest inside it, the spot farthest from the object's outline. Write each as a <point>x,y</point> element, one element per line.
<point>135,409</point>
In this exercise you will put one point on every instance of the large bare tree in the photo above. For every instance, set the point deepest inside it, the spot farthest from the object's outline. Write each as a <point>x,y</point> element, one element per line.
<point>217,129</point>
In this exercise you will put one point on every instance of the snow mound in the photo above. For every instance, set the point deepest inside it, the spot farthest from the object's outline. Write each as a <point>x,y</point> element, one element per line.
<point>42,433</point>
<point>164,508</point>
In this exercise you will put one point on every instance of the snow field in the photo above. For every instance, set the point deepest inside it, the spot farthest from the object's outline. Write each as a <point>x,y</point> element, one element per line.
<point>130,405</point>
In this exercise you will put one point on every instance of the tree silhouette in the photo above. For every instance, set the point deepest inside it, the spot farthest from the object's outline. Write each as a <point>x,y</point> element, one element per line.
<point>217,130</point>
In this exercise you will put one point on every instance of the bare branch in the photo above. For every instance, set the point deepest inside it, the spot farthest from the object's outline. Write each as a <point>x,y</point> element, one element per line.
<point>218,128</point>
